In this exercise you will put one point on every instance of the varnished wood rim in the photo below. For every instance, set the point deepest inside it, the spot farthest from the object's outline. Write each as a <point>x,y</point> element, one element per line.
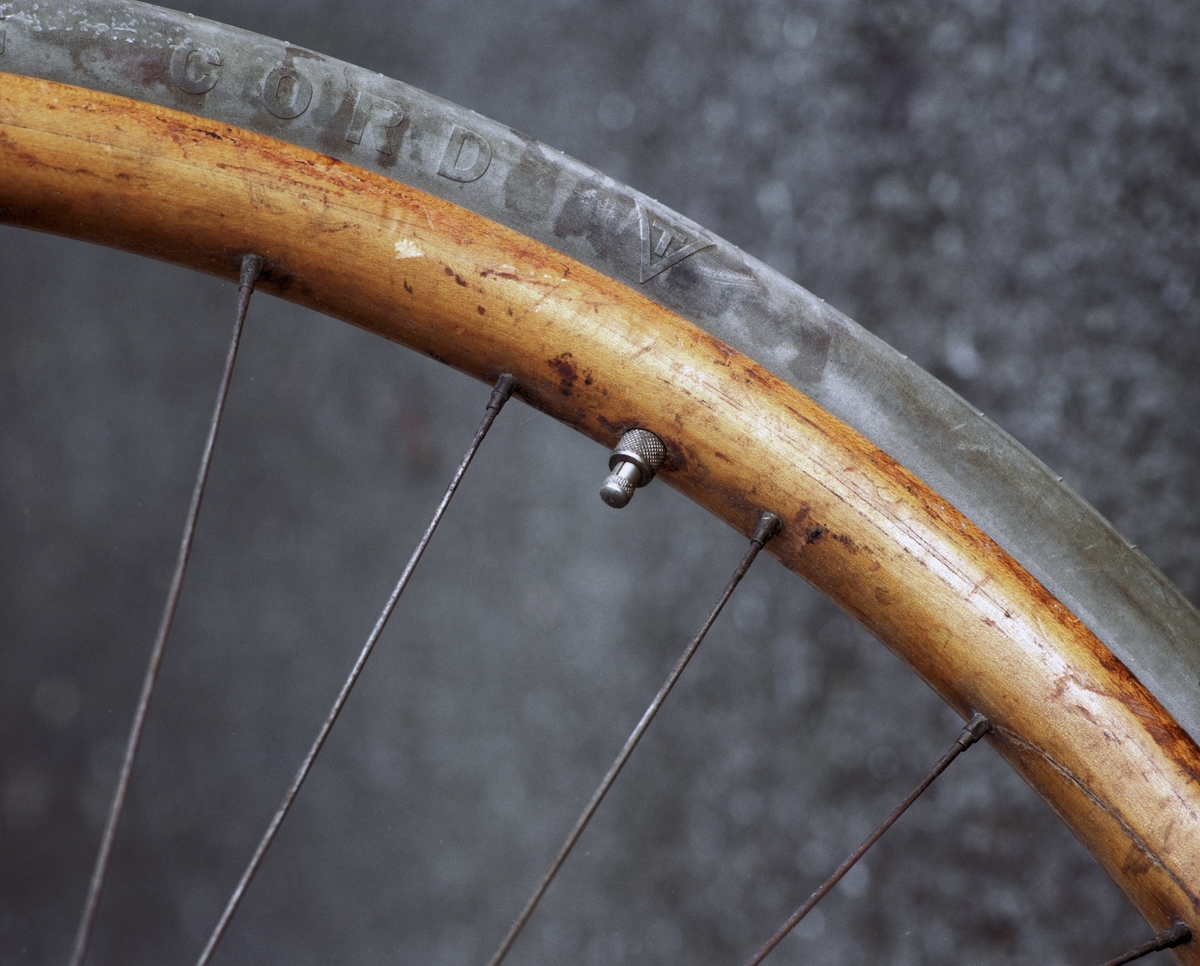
<point>974,624</point>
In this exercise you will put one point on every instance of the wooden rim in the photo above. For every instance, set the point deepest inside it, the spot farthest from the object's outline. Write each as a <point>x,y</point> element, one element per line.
<point>1067,715</point>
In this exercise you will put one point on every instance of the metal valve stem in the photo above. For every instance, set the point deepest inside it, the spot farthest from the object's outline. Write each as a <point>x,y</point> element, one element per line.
<point>634,462</point>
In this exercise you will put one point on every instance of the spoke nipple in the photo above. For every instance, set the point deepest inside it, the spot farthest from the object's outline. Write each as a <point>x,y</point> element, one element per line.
<point>1176,935</point>
<point>633,463</point>
<point>975,729</point>
<point>252,266</point>
<point>504,389</point>
<point>768,526</point>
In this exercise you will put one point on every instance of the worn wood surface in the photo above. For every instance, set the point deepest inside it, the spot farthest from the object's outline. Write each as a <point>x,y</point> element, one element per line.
<point>975,625</point>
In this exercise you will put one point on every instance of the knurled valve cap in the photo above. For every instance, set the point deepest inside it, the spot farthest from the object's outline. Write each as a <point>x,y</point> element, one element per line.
<point>634,462</point>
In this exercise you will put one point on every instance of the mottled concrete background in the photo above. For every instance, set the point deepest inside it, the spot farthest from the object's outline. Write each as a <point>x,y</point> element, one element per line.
<point>1006,190</point>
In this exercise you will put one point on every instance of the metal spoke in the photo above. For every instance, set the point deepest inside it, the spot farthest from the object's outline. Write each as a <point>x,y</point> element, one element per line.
<point>768,526</point>
<point>1177,935</point>
<point>500,395</point>
<point>251,267</point>
<point>975,729</point>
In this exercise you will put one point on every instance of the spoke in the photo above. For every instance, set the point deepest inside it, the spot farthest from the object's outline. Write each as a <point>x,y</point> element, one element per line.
<point>500,395</point>
<point>251,267</point>
<point>768,526</point>
<point>975,729</point>
<point>1176,935</point>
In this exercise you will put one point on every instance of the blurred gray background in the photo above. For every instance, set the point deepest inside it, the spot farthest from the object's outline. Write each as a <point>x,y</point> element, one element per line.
<point>1005,190</point>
